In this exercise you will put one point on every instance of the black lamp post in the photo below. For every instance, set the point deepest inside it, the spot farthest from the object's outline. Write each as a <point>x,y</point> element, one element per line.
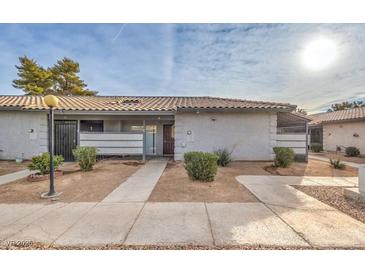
<point>51,101</point>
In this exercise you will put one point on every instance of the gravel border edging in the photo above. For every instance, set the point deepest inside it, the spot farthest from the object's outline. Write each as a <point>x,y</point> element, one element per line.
<point>41,246</point>
<point>333,196</point>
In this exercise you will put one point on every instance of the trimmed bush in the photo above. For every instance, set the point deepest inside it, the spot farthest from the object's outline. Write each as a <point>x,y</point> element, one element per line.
<point>337,164</point>
<point>316,147</point>
<point>224,157</point>
<point>284,156</point>
<point>86,157</point>
<point>201,166</point>
<point>352,151</point>
<point>41,163</point>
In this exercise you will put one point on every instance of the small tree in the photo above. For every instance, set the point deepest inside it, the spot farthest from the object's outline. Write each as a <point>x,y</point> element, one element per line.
<point>61,79</point>
<point>301,111</point>
<point>33,79</point>
<point>65,79</point>
<point>346,105</point>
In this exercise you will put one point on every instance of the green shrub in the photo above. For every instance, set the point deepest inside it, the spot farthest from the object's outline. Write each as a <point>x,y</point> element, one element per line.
<point>201,166</point>
<point>224,157</point>
<point>41,163</point>
<point>337,164</point>
<point>284,156</point>
<point>86,157</point>
<point>316,147</point>
<point>352,151</point>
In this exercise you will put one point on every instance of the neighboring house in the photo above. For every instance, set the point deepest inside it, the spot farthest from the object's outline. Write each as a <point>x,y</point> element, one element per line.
<point>341,128</point>
<point>151,125</point>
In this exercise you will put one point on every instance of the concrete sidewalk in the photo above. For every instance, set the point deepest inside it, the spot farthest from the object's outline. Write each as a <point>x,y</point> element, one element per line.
<point>89,224</point>
<point>138,187</point>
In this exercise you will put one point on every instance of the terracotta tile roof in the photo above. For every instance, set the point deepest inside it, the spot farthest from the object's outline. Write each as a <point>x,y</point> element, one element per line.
<point>334,116</point>
<point>138,103</point>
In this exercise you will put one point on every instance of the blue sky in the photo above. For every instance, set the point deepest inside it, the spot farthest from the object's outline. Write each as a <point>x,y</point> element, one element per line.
<point>250,61</point>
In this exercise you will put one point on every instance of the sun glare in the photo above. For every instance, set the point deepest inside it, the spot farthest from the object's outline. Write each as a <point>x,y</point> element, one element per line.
<point>319,54</point>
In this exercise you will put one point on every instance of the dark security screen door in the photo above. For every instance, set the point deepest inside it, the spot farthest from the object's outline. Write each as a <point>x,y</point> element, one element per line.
<point>168,139</point>
<point>65,138</point>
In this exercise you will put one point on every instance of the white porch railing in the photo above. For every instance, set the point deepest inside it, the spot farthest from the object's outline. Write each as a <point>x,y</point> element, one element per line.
<point>298,142</point>
<point>114,143</point>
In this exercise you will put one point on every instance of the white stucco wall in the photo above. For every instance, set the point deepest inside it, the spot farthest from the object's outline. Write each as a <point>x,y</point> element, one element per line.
<point>251,135</point>
<point>343,134</point>
<point>16,138</point>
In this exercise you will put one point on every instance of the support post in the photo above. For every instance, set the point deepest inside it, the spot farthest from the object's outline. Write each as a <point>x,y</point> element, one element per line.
<point>144,141</point>
<point>51,101</point>
<point>52,192</point>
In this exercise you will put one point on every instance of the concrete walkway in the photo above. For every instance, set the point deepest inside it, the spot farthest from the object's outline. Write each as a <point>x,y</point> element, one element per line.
<point>284,217</point>
<point>8,178</point>
<point>91,224</point>
<point>324,159</point>
<point>138,187</point>
<point>317,223</point>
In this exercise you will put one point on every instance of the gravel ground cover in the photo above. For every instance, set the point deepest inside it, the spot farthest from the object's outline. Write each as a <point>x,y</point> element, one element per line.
<point>40,246</point>
<point>333,196</point>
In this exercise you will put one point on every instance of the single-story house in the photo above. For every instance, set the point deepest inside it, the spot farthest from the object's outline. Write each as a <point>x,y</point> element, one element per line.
<point>151,125</point>
<point>341,128</point>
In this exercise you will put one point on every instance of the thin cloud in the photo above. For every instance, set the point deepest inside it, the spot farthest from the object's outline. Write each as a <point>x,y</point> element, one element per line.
<point>250,61</point>
<point>119,32</point>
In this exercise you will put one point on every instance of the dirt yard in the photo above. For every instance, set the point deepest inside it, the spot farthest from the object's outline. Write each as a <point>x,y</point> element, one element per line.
<point>7,167</point>
<point>312,168</point>
<point>75,185</point>
<point>334,155</point>
<point>175,185</point>
<point>333,196</point>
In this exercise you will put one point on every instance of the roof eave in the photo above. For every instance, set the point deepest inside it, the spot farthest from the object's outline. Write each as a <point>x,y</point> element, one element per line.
<point>193,109</point>
<point>113,112</point>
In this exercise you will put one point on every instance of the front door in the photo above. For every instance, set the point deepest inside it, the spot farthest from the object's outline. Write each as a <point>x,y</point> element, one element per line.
<point>168,140</point>
<point>65,134</point>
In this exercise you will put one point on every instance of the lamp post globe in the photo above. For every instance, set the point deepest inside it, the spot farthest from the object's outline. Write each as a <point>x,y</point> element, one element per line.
<point>51,101</point>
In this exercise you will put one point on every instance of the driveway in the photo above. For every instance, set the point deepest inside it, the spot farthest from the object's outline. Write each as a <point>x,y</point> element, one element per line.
<point>284,217</point>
